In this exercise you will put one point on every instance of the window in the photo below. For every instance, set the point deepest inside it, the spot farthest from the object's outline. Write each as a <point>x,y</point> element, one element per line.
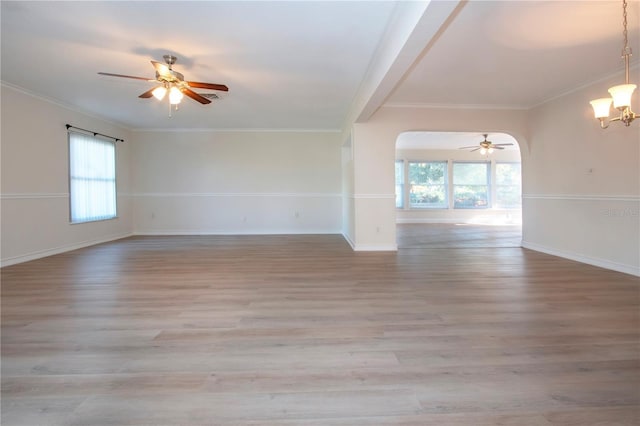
<point>508,186</point>
<point>92,178</point>
<point>471,185</point>
<point>399,184</point>
<point>428,184</point>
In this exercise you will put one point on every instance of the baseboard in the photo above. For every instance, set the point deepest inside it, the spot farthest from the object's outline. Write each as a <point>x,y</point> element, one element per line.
<point>375,247</point>
<point>349,241</point>
<point>423,220</point>
<point>57,250</point>
<point>465,221</point>
<point>369,247</point>
<point>177,232</point>
<point>602,263</point>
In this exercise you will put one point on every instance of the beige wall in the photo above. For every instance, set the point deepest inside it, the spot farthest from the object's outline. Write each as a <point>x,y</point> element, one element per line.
<point>581,196</point>
<point>348,220</point>
<point>582,184</point>
<point>374,155</point>
<point>35,186</point>
<point>211,182</point>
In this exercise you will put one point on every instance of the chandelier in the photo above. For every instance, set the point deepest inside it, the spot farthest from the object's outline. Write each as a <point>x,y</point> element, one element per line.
<point>621,94</point>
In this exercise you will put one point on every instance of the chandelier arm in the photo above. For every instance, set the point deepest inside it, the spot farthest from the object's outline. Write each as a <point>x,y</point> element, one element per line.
<point>620,94</point>
<point>628,116</point>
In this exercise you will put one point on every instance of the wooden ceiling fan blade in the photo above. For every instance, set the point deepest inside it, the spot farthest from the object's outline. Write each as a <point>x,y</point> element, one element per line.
<point>469,147</point>
<point>196,97</point>
<point>497,147</point>
<point>125,76</point>
<point>502,144</point>
<point>148,93</point>
<point>475,149</point>
<point>210,86</point>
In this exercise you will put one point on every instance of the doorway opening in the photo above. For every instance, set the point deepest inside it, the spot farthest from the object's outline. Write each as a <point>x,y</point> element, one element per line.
<point>455,190</point>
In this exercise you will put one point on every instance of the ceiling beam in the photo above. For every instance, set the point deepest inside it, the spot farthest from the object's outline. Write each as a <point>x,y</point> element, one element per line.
<point>412,30</point>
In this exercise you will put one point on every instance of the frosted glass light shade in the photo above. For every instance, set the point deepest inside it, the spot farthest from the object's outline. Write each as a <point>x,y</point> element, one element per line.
<point>483,151</point>
<point>175,96</point>
<point>490,150</point>
<point>622,95</point>
<point>601,107</point>
<point>159,92</point>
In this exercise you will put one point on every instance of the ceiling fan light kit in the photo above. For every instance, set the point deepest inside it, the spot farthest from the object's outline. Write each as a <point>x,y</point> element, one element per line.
<point>159,92</point>
<point>621,94</point>
<point>173,83</point>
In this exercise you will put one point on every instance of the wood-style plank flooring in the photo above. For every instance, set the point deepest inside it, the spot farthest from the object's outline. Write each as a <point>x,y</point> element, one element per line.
<point>301,330</point>
<point>458,235</point>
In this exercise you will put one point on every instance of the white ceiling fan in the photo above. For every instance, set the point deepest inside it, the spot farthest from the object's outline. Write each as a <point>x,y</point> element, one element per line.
<point>486,146</point>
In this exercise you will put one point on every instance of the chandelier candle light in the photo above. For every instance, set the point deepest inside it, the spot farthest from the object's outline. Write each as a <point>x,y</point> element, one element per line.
<point>621,94</point>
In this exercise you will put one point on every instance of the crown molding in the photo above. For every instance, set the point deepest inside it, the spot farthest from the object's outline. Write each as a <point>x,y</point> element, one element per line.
<point>421,105</point>
<point>424,105</point>
<point>61,104</point>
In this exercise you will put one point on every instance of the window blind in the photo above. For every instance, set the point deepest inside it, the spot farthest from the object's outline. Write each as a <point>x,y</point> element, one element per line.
<point>92,178</point>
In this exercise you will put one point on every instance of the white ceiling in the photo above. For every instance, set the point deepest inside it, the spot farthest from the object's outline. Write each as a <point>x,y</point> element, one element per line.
<point>304,65</point>
<point>517,54</point>
<point>451,140</point>
<point>287,64</point>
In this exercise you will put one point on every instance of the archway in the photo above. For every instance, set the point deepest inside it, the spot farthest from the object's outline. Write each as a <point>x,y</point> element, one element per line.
<point>371,193</point>
<point>453,192</point>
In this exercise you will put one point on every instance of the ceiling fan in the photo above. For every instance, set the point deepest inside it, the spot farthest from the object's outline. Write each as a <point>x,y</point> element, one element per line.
<point>172,82</point>
<point>486,146</point>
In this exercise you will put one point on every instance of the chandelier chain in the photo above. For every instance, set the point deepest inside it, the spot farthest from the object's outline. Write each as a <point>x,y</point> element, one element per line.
<point>625,50</point>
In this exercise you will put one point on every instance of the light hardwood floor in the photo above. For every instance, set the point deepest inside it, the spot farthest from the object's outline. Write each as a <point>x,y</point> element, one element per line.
<point>458,235</point>
<point>301,330</point>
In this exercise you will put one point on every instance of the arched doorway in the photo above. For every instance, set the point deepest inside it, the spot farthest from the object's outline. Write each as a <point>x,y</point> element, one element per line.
<point>455,191</point>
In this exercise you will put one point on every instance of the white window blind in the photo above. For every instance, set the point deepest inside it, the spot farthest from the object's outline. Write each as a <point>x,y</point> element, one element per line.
<point>471,185</point>
<point>92,178</point>
<point>399,184</point>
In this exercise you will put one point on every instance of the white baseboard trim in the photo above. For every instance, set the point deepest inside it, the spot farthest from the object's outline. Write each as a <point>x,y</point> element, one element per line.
<point>465,221</point>
<point>349,241</point>
<point>369,247</point>
<point>57,250</point>
<point>234,195</point>
<point>424,220</point>
<point>375,247</point>
<point>178,232</point>
<point>601,263</point>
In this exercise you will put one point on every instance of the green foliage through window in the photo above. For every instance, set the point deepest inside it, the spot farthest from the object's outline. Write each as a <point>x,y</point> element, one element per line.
<point>428,184</point>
